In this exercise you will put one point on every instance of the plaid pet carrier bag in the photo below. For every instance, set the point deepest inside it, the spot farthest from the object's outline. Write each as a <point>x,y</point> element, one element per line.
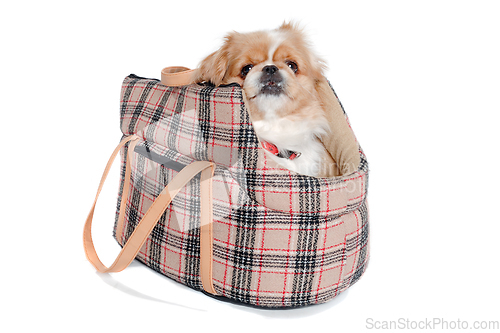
<point>200,203</point>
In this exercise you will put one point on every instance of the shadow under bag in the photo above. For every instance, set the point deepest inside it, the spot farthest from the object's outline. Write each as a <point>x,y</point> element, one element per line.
<point>202,203</point>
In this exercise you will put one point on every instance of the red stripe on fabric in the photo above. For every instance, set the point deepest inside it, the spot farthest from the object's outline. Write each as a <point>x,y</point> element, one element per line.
<point>288,251</point>
<point>232,127</point>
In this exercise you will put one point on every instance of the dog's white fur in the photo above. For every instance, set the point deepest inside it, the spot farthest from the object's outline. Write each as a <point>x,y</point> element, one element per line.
<point>295,136</point>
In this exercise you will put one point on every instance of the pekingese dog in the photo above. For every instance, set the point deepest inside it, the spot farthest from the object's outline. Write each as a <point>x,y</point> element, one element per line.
<point>294,112</point>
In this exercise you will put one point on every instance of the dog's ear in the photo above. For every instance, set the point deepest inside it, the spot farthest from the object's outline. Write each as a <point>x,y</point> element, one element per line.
<point>340,142</point>
<point>214,67</point>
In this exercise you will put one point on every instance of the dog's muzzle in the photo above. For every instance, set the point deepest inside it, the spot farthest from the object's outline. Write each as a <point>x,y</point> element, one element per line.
<point>271,80</point>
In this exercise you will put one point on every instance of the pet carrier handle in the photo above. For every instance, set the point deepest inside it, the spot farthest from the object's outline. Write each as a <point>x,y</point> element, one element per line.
<point>150,219</point>
<point>178,76</point>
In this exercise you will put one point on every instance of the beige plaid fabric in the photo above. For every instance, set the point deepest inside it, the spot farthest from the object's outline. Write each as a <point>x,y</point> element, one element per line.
<point>280,239</point>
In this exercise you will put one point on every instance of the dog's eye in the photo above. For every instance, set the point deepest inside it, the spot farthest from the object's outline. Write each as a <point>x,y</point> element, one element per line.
<point>245,70</point>
<point>293,66</point>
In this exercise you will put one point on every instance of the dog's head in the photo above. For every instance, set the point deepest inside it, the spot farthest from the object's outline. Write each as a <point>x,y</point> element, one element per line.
<point>276,69</point>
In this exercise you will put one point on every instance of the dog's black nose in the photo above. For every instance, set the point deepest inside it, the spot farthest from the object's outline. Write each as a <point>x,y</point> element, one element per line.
<point>271,80</point>
<point>270,69</point>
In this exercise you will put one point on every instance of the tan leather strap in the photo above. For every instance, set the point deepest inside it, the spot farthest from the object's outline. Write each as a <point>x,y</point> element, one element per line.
<point>206,238</point>
<point>150,219</point>
<point>178,76</point>
<point>126,188</point>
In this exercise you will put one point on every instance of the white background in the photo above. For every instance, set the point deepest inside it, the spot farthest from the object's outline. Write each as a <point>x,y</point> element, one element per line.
<point>420,81</point>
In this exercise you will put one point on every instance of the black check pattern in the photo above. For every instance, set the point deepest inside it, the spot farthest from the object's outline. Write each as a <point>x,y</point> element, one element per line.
<point>280,239</point>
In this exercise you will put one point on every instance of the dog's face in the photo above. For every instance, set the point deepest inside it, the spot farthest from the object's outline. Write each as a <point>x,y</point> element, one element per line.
<point>276,69</point>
